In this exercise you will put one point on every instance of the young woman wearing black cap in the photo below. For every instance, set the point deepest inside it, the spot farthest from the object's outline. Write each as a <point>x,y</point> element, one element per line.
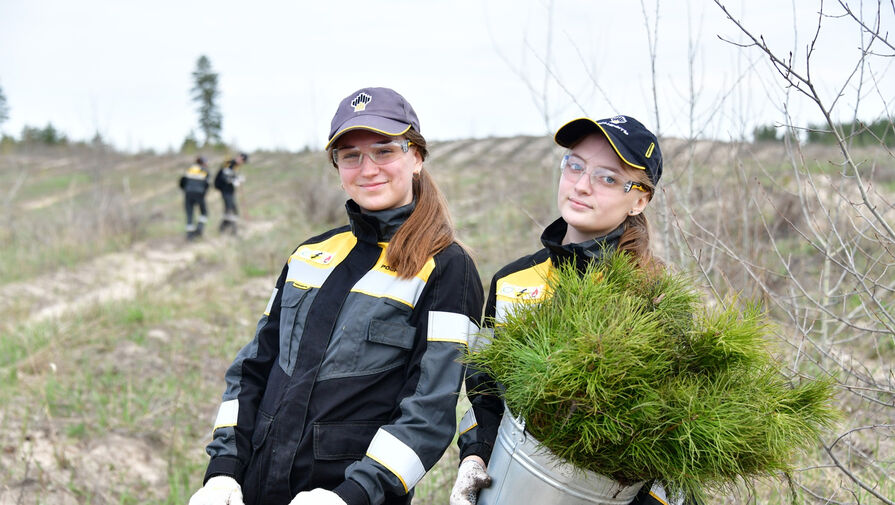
<point>608,176</point>
<point>347,393</point>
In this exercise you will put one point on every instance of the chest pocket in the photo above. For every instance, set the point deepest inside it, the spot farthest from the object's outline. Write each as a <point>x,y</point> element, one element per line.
<point>367,345</point>
<point>292,321</point>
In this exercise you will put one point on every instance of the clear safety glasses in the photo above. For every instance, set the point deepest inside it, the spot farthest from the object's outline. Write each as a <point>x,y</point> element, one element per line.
<point>573,168</point>
<point>380,153</point>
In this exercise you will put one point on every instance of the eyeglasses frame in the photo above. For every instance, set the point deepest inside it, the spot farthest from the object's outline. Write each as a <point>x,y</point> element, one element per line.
<point>627,187</point>
<point>404,144</point>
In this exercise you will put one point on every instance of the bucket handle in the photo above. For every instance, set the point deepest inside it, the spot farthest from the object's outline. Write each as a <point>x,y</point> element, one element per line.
<point>519,432</point>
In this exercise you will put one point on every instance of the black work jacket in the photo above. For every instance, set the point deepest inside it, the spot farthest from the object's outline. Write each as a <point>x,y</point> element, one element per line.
<point>352,379</point>
<point>522,281</point>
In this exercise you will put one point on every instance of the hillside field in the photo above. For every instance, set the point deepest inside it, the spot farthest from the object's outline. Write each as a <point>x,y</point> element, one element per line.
<point>115,332</point>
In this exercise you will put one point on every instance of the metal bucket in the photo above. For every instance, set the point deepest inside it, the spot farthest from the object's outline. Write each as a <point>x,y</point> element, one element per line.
<point>524,471</point>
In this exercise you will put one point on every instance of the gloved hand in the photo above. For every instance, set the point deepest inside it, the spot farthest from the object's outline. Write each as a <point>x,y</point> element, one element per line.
<point>471,478</point>
<point>219,490</point>
<point>317,496</point>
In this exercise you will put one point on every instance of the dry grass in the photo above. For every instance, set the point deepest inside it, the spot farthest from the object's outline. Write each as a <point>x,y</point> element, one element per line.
<point>141,372</point>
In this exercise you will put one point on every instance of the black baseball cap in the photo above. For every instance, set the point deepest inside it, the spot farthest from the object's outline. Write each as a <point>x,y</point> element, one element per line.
<point>633,143</point>
<point>380,110</point>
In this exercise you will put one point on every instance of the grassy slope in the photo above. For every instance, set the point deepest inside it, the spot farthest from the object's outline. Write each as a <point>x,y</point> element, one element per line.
<point>112,403</point>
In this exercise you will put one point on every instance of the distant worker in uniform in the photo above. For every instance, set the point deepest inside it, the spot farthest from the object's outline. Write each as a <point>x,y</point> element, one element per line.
<point>226,181</point>
<point>194,184</point>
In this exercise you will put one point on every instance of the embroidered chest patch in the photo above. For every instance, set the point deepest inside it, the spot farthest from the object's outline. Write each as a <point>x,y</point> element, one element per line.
<point>314,256</point>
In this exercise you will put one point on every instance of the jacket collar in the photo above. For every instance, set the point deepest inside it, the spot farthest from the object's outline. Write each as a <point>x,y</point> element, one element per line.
<point>583,253</point>
<point>377,226</point>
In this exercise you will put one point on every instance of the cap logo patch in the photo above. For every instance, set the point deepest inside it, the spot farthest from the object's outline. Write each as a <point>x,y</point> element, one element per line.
<point>618,120</point>
<point>360,102</point>
<point>613,124</point>
<point>649,150</point>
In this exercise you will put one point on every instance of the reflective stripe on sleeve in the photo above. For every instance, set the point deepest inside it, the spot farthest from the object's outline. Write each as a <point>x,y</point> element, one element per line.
<point>450,327</point>
<point>481,339</point>
<point>390,452</point>
<point>501,309</point>
<point>227,414</point>
<point>468,422</point>
<point>270,302</point>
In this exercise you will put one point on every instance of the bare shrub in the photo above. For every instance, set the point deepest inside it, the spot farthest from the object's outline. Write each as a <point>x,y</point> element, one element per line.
<point>815,240</point>
<point>317,194</point>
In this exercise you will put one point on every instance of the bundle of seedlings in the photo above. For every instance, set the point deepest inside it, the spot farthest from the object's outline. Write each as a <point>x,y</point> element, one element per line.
<point>628,374</point>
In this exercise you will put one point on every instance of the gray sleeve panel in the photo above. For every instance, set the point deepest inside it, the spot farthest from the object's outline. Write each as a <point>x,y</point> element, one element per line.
<point>230,448</point>
<point>469,436</point>
<point>467,430</point>
<point>224,441</point>
<point>233,377</point>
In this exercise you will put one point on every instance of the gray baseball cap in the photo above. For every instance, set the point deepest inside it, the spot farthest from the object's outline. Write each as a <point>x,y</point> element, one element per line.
<point>380,110</point>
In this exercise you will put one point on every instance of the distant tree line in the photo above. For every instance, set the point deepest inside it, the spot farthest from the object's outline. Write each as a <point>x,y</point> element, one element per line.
<point>4,108</point>
<point>856,133</point>
<point>860,134</point>
<point>205,94</point>
<point>765,133</point>
<point>48,135</point>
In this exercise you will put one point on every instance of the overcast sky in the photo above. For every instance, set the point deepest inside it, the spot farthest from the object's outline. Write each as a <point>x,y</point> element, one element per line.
<point>470,68</point>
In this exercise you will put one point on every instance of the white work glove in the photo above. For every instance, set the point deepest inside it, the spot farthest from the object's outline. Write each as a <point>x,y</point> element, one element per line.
<point>471,478</point>
<point>219,490</point>
<point>317,496</point>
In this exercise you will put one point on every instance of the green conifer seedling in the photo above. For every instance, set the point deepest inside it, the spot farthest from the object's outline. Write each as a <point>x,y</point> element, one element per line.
<point>628,374</point>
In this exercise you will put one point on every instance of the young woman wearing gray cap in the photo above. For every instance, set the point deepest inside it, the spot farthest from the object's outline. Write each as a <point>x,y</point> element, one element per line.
<point>608,176</point>
<point>347,393</point>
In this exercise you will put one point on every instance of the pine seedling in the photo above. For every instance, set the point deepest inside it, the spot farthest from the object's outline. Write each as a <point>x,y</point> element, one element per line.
<point>626,373</point>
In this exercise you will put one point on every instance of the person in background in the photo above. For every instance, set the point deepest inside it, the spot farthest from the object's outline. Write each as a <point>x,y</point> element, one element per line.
<point>226,181</point>
<point>347,393</point>
<point>194,184</point>
<point>607,177</point>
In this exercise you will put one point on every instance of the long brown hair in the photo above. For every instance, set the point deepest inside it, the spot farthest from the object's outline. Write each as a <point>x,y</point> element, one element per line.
<point>429,229</point>
<point>635,239</point>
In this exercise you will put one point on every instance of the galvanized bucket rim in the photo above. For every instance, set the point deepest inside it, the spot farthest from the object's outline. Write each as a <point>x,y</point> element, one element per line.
<point>524,451</point>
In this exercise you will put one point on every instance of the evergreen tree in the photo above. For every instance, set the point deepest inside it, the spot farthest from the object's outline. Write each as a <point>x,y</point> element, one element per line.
<point>4,109</point>
<point>764,133</point>
<point>205,93</point>
<point>48,135</point>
